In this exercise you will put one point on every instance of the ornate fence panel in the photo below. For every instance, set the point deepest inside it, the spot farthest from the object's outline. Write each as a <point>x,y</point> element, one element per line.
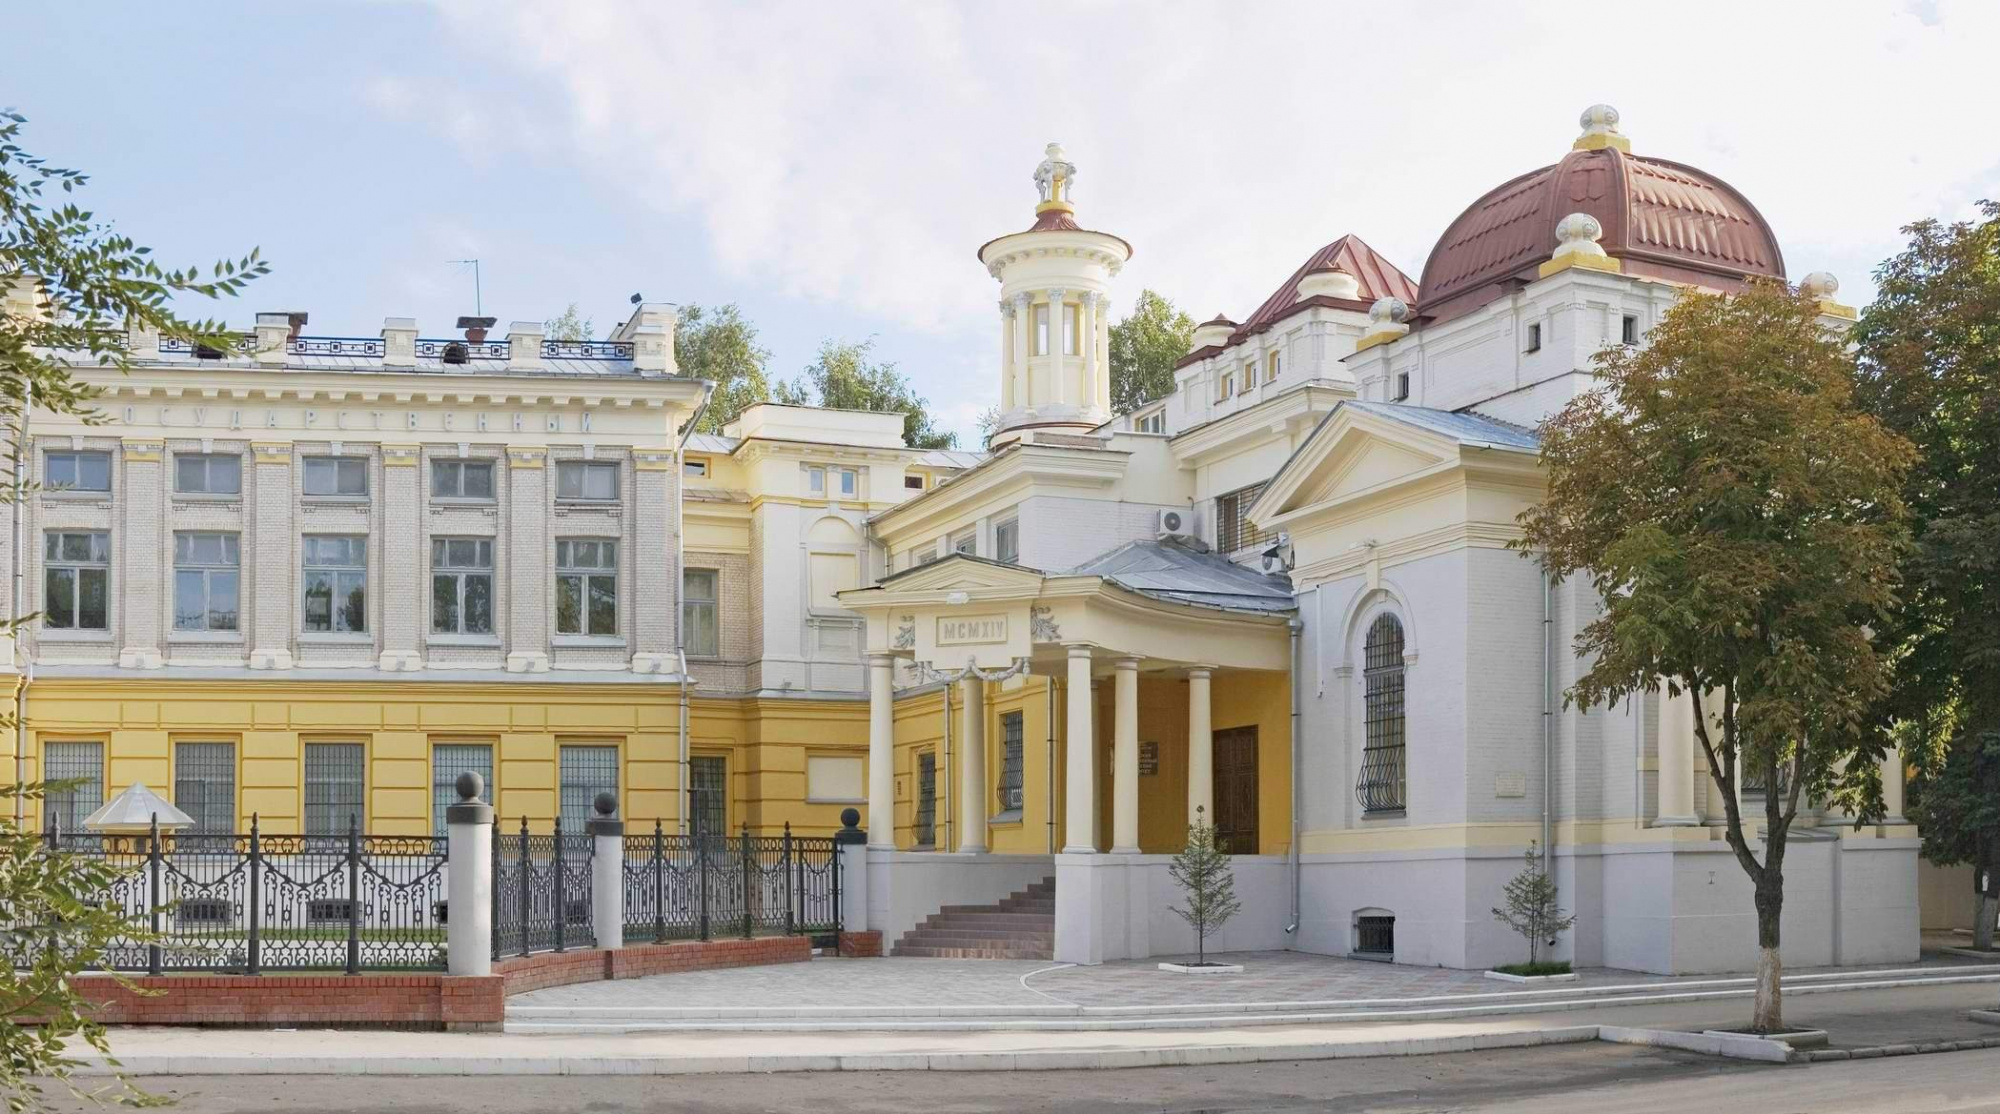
<point>251,903</point>
<point>686,887</point>
<point>541,892</point>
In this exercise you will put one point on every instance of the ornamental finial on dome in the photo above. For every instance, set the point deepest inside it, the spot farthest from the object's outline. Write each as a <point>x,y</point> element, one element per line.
<point>1053,179</point>
<point>1577,246</point>
<point>1600,130</point>
<point>1821,286</point>
<point>1388,319</point>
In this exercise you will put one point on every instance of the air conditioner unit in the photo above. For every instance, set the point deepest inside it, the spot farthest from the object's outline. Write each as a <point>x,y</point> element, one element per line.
<point>1176,523</point>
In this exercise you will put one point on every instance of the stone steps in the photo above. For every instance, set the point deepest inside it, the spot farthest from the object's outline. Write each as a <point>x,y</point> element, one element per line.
<point>1021,925</point>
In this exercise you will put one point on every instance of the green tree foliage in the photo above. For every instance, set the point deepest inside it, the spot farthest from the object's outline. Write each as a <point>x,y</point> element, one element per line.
<point>570,325</point>
<point>1741,520</point>
<point>1203,873</point>
<point>1144,349</point>
<point>72,286</point>
<point>720,345</point>
<point>845,378</point>
<point>1531,908</point>
<point>1930,370</point>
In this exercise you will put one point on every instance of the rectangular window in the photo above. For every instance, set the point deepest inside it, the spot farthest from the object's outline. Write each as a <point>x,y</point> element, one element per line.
<point>850,483</point>
<point>1402,386</point>
<point>336,583</point>
<point>76,572</point>
<point>704,633</point>
<point>586,586</point>
<point>335,780</point>
<point>461,585</point>
<point>205,788</point>
<point>926,820</point>
<point>694,467</point>
<point>1010,762</point>
<point>461,479</point>
<point>593,481</point>
<point>816,480</point>
<point>448,760</point>
<point>914,483</point>
<point>1535,338</point>
<point>77,471</point>
<point>1007,541</point>
<point>1227,387</point>
<point>1041,337</point>
<point>208,473</point>
<point>1070,328</point>
<point>343,477</point>
<point>1249,376</point>
<point>708,786</point>
<point>1155,422</point>
<point>1628,330</point>
<point>1273,364</point>
<point>82,763</point>
<point>586,772</point>
<point>966,541</point>
<point>205,581</point>
<point>1233,529</point>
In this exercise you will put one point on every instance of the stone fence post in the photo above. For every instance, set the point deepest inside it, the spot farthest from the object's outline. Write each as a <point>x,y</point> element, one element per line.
<point>469,891</point>
<point>607,872</point>
<point>851,844</point>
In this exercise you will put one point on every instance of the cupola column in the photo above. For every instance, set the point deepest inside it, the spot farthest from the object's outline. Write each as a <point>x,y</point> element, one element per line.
<point>1024,323</point>
<point>1007,376</point>
<point>1058,346</point>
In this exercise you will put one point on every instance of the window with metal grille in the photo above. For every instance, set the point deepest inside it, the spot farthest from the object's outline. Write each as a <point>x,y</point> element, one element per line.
<point>336,583</point>
<point>1010,762</point>
<point>586,772</point>
<point>462,585</point>
<point>1375,935</point>
<point>208,473</point>
<point>708,790</point>
<point>76,471</point>
<point>1380,787</point>
<point>586,586</point>
<point>205,788</point>
<point>335,779</point>
<point>205,581</point>
<point>329,910</point>
<point>76,574</point>
<point>704,631</point>
<point>461,479</point>
<point>1233,528</point>
<point>82,763</point>
<point>926,821</point>
<point>205,911</point>
<point>448,760</point>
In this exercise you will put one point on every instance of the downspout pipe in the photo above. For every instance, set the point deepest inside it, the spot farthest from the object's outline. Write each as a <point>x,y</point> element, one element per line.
<point>680,595</point>
<point>25,668</point>
<point>1052,764</point>
<point>1548,726</point>
<point>1296,628</point>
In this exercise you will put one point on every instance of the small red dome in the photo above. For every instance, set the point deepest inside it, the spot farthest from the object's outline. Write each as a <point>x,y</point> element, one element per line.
<point>1661,220</point>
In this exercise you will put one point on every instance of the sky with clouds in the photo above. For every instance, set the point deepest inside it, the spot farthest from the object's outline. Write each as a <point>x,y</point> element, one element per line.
<point>832,168</point>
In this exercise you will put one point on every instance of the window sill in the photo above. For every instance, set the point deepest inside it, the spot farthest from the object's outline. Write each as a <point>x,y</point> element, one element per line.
<point>208,497</point>
<point>1011,816</point>
<point>591,504</point>
<point>588,642</point>
<point>836,800</point>
<point>336,638</point>
<point>334,500</point>
<point>462,501</point>
<point>487,641</point>
<point>1386,814</point>
<point>76,496</point>
<point>70,634</point>
<point>222,637</point>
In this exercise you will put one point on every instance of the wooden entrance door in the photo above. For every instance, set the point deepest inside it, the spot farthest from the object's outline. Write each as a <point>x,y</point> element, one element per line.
<point>1236,790</point>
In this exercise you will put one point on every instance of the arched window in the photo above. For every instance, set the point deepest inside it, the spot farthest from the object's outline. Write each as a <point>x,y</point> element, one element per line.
<point>1380,787</point>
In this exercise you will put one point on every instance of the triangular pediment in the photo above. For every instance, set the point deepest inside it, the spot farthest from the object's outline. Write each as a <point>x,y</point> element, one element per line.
<point>1351,455</point>
<point>959,572</point>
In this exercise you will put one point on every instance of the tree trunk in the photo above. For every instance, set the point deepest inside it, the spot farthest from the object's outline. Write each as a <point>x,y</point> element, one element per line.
<point>1769,1012</point>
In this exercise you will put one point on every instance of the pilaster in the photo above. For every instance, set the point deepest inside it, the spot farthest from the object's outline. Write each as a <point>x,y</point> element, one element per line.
<point>403,556</point>
<point>529,591</point>
<point>271,531</point>
<point>141,501</point>
<point>655,598</point>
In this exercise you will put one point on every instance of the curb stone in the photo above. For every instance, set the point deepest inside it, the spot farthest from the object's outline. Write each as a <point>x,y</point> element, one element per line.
<point>1821,1054</point>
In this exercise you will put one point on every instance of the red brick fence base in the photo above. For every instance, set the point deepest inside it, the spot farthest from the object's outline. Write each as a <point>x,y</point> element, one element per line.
<point>413,1001</point>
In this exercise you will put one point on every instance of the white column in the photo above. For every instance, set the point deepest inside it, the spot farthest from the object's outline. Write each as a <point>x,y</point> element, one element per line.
<point>973,808</point>
<point>469,880</point>
<point>1058,346</point>
<point>607,872</point>
<point>1024,327</point>
<point>1006,356</point>
<point>1201,751</point>
<point>1101,344</point>
<point>1677,744</point>
<point>881,751</point>
<point>1086,345</point>
<point>1892,787</point>
<point>1125,759</point>
<point>1080,800</point>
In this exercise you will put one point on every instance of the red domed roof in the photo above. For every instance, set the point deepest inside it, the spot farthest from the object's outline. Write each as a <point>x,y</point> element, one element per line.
<point>1661,220</point>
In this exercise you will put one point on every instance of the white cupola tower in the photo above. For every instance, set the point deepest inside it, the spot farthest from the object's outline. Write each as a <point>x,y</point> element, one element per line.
<point>1055,283</point>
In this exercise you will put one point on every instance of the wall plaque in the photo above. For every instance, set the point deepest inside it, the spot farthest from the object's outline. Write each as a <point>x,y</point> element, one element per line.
<point>971,630</point>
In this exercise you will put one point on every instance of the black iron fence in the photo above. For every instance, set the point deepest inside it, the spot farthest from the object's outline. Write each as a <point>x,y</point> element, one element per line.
<point>697,887</point>
<point>256,902</point>
<point>541,891</point>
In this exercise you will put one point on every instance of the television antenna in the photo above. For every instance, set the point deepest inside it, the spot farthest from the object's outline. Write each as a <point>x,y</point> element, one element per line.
<point>478,310</point>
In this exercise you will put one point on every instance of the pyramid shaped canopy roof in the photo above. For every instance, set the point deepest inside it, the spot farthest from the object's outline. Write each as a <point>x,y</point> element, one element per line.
<point>134,810</point>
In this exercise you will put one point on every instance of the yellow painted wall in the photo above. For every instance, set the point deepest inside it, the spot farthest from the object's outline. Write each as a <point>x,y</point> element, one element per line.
<point>764,742</point>
<point>919,729</point>
<point>1237,698</point>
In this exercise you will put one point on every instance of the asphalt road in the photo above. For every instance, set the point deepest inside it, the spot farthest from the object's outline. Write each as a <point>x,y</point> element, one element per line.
<point>1571,1079</point>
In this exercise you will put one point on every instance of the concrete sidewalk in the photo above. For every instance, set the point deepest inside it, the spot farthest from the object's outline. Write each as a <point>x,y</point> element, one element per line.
<point>1912,1014</point>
